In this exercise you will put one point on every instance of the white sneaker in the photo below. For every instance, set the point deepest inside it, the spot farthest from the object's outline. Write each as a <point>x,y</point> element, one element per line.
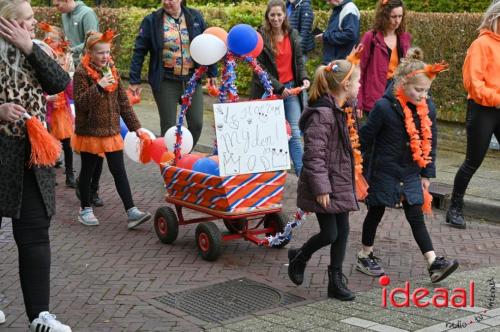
<point>86,217</point>
<point>136,217</point>
<point>2,317</point>
<point>47,322</point>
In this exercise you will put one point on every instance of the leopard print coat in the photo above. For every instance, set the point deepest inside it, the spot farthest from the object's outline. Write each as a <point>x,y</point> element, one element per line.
<point>44,75</point>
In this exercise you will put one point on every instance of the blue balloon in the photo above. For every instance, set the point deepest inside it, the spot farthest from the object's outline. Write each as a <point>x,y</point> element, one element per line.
<point>242,39</point>
<point>207,166</point>
<point>123,128</point>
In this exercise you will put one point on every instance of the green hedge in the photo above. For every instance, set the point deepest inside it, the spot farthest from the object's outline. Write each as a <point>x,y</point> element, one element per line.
<point>445,6</point>
<point>441,36</point>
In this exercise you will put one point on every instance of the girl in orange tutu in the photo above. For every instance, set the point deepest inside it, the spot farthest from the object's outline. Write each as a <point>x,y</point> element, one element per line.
<point>59,115</point>
<point>100,100</point>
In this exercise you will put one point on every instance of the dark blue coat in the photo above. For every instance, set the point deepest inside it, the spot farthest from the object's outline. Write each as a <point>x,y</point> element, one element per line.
<point>150,40</point>
<point>338,41</point>
<point>392,172</point>
<point>301,17</point>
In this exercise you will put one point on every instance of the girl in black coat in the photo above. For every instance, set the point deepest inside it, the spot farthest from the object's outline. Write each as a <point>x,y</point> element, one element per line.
<point>402,129</point>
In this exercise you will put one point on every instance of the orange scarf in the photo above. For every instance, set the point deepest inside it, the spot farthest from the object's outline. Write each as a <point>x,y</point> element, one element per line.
<point>420,143</point>
<point>97,75</point>
<point>360,182</point>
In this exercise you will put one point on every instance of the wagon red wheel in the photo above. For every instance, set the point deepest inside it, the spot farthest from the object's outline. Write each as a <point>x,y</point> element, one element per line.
<point>235,225</point>
<point>276,221</point>
<point>209,241</point>
<point>166,224</point>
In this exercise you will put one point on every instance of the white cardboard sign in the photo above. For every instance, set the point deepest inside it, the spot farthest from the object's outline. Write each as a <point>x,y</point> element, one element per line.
<point>251,137</point>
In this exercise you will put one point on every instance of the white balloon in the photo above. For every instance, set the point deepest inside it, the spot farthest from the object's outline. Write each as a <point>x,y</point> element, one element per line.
<point>131,144</point>
<point>187,140</point>
<point>207,49</point>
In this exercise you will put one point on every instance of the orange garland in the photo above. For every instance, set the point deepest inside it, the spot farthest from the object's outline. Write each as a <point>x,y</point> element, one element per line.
<point>360,182</point>
<point>420,143</point>
<point>96,76</point>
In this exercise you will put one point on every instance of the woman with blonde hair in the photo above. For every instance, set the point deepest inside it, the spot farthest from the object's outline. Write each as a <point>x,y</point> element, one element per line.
<point>481,76</point>
<point>27,190</point>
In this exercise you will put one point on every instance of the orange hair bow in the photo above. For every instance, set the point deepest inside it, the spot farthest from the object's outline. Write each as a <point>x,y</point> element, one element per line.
<point>355,56</point>
<point>384,2</point>
<point>430,71</point>
<point>44,26</point>
<point>105,37</point>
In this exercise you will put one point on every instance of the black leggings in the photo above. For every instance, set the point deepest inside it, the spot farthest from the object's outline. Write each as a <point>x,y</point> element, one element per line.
<point>116,167</point>
<point>482,122</point>
<point>68,154</point>
<point>31,233</point>
<point>413,214</point>
<point>334,230</point>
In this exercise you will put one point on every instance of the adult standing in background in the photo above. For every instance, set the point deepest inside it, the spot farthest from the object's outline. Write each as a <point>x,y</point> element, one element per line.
<point>481,76</point>
<point>282,59</point>
<point>383,47</point>
<point>78,19</point>
<point>301,17</point>
<point>27,192</point>
<point>166,35</point>
<point>342,33</point>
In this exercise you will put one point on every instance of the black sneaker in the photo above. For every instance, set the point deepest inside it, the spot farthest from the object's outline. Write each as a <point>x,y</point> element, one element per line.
<point>369,265</point>
<point>442,268</point>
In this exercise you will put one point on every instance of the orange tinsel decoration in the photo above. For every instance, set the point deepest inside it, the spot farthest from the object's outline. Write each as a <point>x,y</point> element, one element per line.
<point>96,76</point>
<point>62,123</point>
<point>360,182</point>
<point>145,144</point>
<point>427,206</point>
<point>45,149</point>
<point>420,143</point>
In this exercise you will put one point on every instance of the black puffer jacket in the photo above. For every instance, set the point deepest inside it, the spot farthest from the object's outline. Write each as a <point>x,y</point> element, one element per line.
<point>267,60</point>
<point>392,172</point>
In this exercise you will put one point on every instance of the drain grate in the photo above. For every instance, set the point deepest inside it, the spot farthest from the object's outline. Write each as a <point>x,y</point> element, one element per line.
<point>227,300</point>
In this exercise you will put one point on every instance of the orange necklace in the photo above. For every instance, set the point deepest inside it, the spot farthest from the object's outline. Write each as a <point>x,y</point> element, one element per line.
<point>97,75</point>
<point>420,143</point>
<point>360,183</point>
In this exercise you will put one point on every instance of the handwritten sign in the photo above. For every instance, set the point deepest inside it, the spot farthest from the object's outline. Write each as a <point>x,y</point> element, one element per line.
<point>251,137</point>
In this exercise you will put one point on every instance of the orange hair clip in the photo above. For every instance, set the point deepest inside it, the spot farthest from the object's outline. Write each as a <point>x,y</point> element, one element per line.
<point>384,2</point>
<point>431,71</point>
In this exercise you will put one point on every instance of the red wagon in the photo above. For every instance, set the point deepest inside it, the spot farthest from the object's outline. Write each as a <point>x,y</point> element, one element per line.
<point>248,204</point>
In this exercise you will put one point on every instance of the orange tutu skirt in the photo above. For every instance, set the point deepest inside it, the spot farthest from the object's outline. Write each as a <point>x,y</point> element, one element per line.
<point>61,125</point>
<point>97,145</point>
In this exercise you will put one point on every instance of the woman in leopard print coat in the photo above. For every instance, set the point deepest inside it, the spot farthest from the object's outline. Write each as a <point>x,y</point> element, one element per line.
<point>27,192</point>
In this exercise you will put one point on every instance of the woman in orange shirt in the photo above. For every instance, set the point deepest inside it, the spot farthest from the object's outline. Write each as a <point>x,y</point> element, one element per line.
<point>481,75</point>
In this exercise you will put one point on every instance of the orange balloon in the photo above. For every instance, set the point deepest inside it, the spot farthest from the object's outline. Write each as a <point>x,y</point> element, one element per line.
<point>258,49</point>
<point>168,157</point>
<point>217,32</point>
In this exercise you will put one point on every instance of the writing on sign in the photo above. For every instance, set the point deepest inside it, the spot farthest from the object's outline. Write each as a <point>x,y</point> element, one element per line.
<point>251,137</point>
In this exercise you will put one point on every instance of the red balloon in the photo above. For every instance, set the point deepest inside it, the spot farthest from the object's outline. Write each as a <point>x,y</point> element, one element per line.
<point>258,49</point>
<point>158,149</point>
<point>188,160</point>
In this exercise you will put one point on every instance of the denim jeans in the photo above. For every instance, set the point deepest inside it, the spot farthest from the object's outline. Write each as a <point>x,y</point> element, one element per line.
<point>292,115</point>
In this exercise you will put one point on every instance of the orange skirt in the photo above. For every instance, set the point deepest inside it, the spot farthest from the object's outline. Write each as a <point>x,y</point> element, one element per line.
<point>97,145</point>
<point>61,125</point>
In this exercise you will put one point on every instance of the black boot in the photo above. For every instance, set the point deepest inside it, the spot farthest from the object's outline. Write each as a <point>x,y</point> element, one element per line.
<point>70,179</point>
<point>296,265</point>
<point>95,199</point>
<point>455,214</point>
<point>337,285</point>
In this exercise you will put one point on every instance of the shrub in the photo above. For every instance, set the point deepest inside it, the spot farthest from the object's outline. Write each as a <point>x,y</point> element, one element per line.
<point>441,36</point>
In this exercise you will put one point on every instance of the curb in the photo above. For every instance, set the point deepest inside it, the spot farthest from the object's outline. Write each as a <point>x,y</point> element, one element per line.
<point>476,207</point>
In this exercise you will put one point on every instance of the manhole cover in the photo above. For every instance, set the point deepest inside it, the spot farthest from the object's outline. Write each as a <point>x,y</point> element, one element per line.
<point>227,300</point>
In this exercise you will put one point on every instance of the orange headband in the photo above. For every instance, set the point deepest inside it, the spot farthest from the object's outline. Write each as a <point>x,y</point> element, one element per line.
<point>430,71</point>
<point>105,37</point>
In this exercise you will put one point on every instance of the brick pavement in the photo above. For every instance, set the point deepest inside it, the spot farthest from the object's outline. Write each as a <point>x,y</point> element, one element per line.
<point>105,278</point>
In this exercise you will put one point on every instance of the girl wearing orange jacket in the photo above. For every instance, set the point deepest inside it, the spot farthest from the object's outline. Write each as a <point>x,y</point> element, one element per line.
<point>481,75</point>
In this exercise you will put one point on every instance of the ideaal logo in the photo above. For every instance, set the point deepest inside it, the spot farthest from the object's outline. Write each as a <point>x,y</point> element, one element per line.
<point>440,297</point>
<point>422,297</point>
